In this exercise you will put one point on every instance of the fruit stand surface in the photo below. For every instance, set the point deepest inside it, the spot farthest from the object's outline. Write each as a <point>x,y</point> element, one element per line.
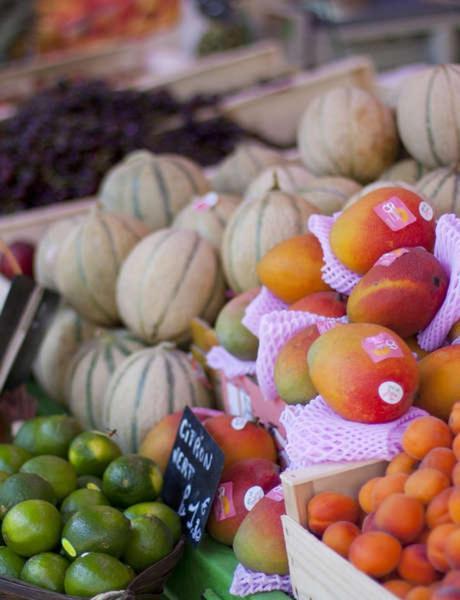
<point>207,572</point>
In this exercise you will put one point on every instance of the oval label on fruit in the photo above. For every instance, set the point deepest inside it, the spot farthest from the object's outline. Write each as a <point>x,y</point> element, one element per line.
<point>252,496</point>
<point>276,494</point>
<point>394,213</point>
<point>205,202</point>
<point>391,392</point>
<point>239,423</point>
<point>223,504</point>
<point>69,548</point>
<point>387,259</point>
<point>381,346</point>
<point>426,211</point>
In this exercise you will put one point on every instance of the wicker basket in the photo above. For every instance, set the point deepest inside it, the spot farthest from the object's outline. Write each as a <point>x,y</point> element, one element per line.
<point>148,585</point>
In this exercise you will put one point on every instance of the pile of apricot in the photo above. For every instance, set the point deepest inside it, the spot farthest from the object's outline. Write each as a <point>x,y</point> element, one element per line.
<point>404,527</point>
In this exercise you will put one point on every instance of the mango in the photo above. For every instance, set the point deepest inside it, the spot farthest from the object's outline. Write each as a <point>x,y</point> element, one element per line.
<point>292,376</point>
<point>402,291</point>
<point>439,381</point>
<point>454,333</point>
<point>415,347</point>
<point>241,486</point>
<point>382,220</point>
<point>364,372</point>
<point>259,542</point>
<point>230,331</point>
<point>327,304</point>
<point>292,269</point>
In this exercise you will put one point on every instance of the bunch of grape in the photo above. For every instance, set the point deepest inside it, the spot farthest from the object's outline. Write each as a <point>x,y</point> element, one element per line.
<point>60,143</point>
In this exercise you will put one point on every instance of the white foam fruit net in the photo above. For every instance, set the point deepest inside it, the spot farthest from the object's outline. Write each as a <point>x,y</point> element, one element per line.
<point>265,302</point>
<point>335,274</point>
<point>246,582</point>
<point>219,358</point>
<point>316,434</point>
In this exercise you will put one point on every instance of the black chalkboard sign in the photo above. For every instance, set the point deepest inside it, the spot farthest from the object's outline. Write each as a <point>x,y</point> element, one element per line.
<point>192,475</point>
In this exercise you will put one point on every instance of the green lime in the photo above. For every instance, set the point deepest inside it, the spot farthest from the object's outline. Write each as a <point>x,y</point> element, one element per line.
<point>91,453</point>
<point>12,458</point>
<point>31,527</point>
<point>46,570</point>
<point>161,511</point>
<point>96,529</point>
<point>149,542</point>
<point>3,476</point>
<point>10,563</point>
<point>81,499</point>
<point>90,482</point>
<point>57,471</point>
<point>131,479</point>
<point>48,435</point>
<point>24,486</point>
<point>96,573</point>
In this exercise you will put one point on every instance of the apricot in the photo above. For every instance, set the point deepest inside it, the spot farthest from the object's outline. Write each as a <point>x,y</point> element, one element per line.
<point>453,549</point>
<point>456,474</point>
<point>390,484</point>
<point>376,553</point>
<point>446,593</point>
<point>437,511</point>
<point>340,535</point>
<point>365,494</point>
<point>423,434</point>
<point>398,587</point>
<point>422,537</point>
<point>327,304</point>
<point>439,382</point>
<point>329,507</point>
<point>401,516</point>
<point>401,463</point>
<point>415,567</point>
<point>456,446</point>
<point>436,546</point>
<point>419,592</point>
<point>454,418</point>
<point>442,459</point>
<point>425,484</point>
<point>454,505</point>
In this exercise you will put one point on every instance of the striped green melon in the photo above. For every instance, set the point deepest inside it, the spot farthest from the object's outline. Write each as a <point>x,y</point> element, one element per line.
<point>407,170</point>
<point>442,188</point>
<point>90,370</point>
<point>348,132</point>
<point>330,194</point>
<point>428,115</point>
<point>255,228</point>
<point>63,338</point>
<point>47,251</point>
<point>169,278</point>
<point>235,173</point>
<point>289,177</point>
<point>147,386</point>
<point>152,188</point>
<point>89,262</point>
<point>208,216</point>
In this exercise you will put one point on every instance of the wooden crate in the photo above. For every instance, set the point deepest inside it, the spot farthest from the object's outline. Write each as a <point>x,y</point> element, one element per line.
<point>317,572</point>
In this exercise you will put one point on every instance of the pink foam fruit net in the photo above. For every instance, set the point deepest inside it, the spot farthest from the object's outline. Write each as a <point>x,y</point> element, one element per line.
<point>316,434</point>
<point>265,302</point>
<point>219,358</point>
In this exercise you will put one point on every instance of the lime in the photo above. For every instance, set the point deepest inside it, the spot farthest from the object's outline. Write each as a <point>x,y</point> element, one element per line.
<point>90,482</point>
<point>3,476</point>
<point>12,458</point>
<point>161,511</point>
<point>149,542</point>
<point>31,527</point>
<point>81,499</point>
<point>48,435</point>
<point>10,563</point>
<point>24,486</point>
<point>96,573</point>
<point>131,479</point>
<point>57,471</point>
<point>91,452</point>
<point>96,529</point>
<point>46,570</point>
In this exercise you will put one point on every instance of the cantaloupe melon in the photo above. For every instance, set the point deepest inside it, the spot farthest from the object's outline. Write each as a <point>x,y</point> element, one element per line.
<point>63,338</point>
<point>348,132</point>
<point>152,187</point>
<point>330,194</point>
<point>407,170</point>
<point>442,188</point>
<point>255,228</point>
<point>147,386</point>
<point>47,251</point>
<point>89,262</point>
<point>428,113</point>
<point>169,278</point>
<point>289,177</point>
<point>235,173</point>
<point>208,215</point>
<point>89,372</point>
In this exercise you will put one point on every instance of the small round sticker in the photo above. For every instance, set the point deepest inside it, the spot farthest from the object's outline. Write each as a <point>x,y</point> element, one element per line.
<point>239,423</point>
<point>391,392</point>
<point>426,211</point>
<point>252,496</point>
